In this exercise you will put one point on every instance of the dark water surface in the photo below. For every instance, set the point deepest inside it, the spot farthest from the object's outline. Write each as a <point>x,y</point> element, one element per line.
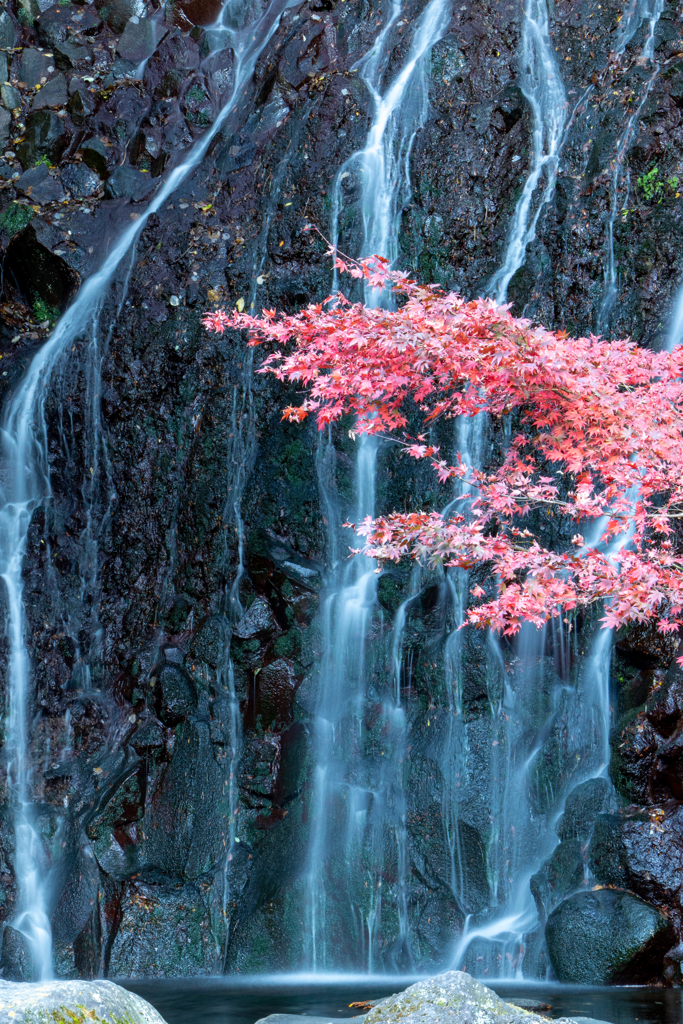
<point>244,1001</point>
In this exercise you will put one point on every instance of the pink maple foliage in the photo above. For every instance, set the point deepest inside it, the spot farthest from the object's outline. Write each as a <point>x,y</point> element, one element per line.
<point>601,439</point>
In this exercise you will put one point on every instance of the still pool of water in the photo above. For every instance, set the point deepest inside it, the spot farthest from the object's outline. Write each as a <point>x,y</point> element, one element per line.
<point>244,1001</point>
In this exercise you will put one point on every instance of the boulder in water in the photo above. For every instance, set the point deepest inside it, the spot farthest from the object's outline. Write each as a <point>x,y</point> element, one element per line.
<point>607,936</point>
<point>87,1002</point>
<point>451,998</point>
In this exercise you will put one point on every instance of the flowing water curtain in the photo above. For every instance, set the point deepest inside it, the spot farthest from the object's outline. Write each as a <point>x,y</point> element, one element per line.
<point>358,833</point>
<point>494,945</point>
<point>640,13</point>
<point>531,711</point>
<point>27,486</point>
<point>542,86</point>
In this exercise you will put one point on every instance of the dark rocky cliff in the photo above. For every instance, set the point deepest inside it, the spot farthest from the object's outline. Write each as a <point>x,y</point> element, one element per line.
<point>174,578</point>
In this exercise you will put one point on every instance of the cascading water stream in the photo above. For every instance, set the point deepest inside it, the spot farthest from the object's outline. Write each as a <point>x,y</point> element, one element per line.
<point>358,832</point>
<point>629,25</point>
<point>470,438</point>
<point>541,84</point>
<point>26,485</point>
<point>523,818</point>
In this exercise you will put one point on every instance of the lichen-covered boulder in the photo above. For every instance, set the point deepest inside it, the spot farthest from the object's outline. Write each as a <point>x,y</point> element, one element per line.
<point>451,998</point>
<point>78,1002</point>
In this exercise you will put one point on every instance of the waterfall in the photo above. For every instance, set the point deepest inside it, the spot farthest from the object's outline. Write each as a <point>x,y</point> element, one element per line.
<point>537,717</point>
<point>541,84</point>
<point>638,13</point>
<point>470,437</point>
<point>358,831</point>
<point>26,486</point>
<point>383,165</point>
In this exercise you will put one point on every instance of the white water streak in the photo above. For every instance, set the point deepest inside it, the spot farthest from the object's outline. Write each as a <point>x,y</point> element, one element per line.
<point>639,11</point>
<point>26,485</point>
<point>354,803</point>
<point>541,84</point>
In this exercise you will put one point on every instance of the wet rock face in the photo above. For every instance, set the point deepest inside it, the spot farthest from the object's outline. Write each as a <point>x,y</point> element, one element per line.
<point>605,937</point>
<point>178,641</point>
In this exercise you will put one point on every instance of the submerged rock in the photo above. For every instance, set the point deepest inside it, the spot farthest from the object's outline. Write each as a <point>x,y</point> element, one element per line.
<point>94,1002</point>
<point>607,936</point>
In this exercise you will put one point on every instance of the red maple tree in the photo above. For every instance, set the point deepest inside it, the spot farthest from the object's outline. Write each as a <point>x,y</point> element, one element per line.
<point>600,442</point>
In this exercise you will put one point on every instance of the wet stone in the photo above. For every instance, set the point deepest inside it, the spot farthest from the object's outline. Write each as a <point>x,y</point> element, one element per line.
<point>31,178</point>
<point>46,135</point>
<point>582,807</point>
<point>177,136</point>
<point>258,621</point>
<point>119,70</point>
<point>53,24</point>
<point>451,998</point>
<point>53,94</point>
<point>5,124</point>
<point>36,269</point>
<point>70,56</point>
<point>210,642</point>
<point>119,12</point>
<point>10,97</point>
<point>95,156</point>
<point>87,21</point>
<point>34,66</point>
<point>275,686</point>
<point>200,12</point>
<point>80,180</point>
<point>126,183</point>
<point>79,107</point>
<point>174,694</point>
<point>605,937</point>
<point>138,41</point>
<point>148,737</point>
<point>3,67</point>
<point>8,33</point>
<point>561,874</point>
<point>16,959</point>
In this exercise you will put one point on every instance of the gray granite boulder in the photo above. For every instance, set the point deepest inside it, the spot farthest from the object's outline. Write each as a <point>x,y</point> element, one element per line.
<point>454,997</point>
<point>89,1002</point>
<point>451,998</point>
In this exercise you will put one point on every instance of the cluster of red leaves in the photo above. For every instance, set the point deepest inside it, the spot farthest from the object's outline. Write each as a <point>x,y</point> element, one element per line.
<point>604,419</point>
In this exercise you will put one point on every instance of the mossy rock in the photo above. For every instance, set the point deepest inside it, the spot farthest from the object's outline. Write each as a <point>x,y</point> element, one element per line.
<point>74,1002</point>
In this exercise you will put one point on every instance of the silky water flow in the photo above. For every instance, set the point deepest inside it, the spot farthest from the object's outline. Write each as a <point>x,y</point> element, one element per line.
<point>26,486</point>
<point>357,860</point>
<point>540,712</point>
<point>542,86</point>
